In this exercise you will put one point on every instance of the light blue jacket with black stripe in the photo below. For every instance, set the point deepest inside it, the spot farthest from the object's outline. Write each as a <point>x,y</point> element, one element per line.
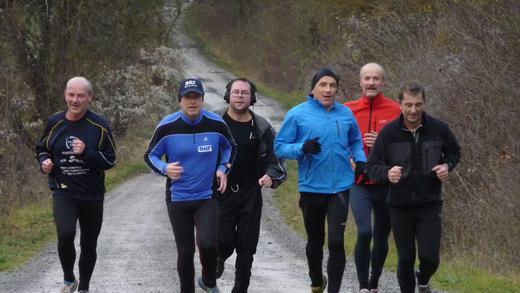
<point>328,171</point>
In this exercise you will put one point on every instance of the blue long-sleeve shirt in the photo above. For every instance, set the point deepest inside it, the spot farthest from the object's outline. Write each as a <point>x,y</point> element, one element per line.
<point>330,170</point>
<point>196,145</point>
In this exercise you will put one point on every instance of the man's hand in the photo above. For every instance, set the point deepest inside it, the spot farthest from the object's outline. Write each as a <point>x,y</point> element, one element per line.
<point>174,171</point>
<point>370,138</point>
<point>312,146</point>
<point>222,181</point>
<point>394,174</point>
<point>47,166</point>
<point>359,173</point>
<point>78,146</point>
<point>265,181</point>
<point>441,171</point>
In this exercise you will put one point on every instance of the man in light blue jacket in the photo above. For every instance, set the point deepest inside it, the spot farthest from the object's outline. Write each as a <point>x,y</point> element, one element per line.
<point>323,136</point>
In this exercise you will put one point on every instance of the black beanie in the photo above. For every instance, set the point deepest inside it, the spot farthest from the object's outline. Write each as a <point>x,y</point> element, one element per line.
<point>324,72</point>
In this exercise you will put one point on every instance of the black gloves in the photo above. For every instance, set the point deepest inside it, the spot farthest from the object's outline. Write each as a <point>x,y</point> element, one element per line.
<point>312,146</point>
<point>359,174</point>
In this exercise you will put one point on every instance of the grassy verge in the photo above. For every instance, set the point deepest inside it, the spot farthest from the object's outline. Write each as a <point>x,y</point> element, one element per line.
<point>24,233</point>
<point>454,275</point>
<point>116,176</point>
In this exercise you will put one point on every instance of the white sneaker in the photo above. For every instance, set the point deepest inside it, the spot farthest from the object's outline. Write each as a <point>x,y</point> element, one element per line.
<point>364,291</point>
<point>70,288</point>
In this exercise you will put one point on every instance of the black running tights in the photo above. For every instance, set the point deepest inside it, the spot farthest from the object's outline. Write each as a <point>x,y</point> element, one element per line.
<point>184,217</point>
<point>315,208</point>
<point>67,212</point>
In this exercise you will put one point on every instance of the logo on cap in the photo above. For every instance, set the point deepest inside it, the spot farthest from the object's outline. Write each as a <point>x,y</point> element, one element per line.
<point>190,83</point>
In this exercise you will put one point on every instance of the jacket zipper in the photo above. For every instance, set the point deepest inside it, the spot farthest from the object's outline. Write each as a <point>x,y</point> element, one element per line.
<point>415,135</point>
<point>369,120</point>
<point>426,162</point>
<point>193,129</point>
<point>310,165</point>
<point>370,116</point>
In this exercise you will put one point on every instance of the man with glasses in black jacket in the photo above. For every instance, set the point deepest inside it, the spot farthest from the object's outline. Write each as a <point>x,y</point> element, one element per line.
<point>255,166</point>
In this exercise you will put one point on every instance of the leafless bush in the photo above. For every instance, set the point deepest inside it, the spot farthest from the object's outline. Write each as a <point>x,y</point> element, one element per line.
<point>43,43</point>
<point>464,52</point>
<point>138,93</point>
<point>467,58</point>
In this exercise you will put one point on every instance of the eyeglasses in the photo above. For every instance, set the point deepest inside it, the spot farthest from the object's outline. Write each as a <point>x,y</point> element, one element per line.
<point>238,94</point>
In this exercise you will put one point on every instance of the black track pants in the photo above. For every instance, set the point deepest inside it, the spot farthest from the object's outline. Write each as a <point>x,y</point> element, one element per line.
<point>239,229</point>
<point>315,208</point>
<point>364,201</point>
<point>185,216</point>
<point>421,224</point>
<point>67,212</point>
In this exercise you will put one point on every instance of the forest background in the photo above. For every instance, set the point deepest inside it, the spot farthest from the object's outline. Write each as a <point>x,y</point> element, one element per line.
<point>464,52</point>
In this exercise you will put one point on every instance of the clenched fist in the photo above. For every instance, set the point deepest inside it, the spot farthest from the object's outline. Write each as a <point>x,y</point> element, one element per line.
<point>394,174</point>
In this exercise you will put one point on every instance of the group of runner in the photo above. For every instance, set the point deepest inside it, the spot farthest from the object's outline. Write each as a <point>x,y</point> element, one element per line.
<point>216,164</point>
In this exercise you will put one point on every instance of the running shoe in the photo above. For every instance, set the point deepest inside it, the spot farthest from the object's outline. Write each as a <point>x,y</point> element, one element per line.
<point>70,287</point>
<point>364,291</point>
<point>426,289</point>
<point>374,290</point>
<point>320,289</point>
<point>423,288</point>
<point>206,288</point>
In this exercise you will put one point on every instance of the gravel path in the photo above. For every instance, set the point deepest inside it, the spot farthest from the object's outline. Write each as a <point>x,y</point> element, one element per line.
<point>136,251</point>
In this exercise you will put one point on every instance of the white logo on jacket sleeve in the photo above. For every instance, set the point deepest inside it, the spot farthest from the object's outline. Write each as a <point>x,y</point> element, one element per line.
<point>204,148</point>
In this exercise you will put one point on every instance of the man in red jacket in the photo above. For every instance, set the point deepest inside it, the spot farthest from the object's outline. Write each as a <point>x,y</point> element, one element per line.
<point>372,111</point>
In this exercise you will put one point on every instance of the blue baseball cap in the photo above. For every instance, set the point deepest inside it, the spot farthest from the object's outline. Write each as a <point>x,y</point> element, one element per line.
<point>190,85</point>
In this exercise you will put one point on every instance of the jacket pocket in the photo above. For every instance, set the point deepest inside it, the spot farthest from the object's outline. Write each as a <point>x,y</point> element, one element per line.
<point>399,154</point>
<point>431,155</point>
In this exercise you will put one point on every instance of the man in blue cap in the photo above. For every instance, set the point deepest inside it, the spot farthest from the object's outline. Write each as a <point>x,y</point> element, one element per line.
<point>322,135</point>
<point>199,148</point>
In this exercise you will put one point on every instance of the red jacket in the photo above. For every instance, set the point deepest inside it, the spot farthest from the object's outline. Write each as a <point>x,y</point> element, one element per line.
<point>373,114</point>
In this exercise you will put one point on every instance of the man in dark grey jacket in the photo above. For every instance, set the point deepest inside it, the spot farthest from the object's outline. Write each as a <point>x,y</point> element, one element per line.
<point>415,153</point>
<point>255,166</point>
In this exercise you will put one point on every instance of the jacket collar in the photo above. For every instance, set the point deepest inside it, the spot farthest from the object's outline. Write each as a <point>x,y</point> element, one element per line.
<point>424,121</point>
<point>189,121</point>
<point>260,123</point>
<point>316,103</point>
<point>366,100</point>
